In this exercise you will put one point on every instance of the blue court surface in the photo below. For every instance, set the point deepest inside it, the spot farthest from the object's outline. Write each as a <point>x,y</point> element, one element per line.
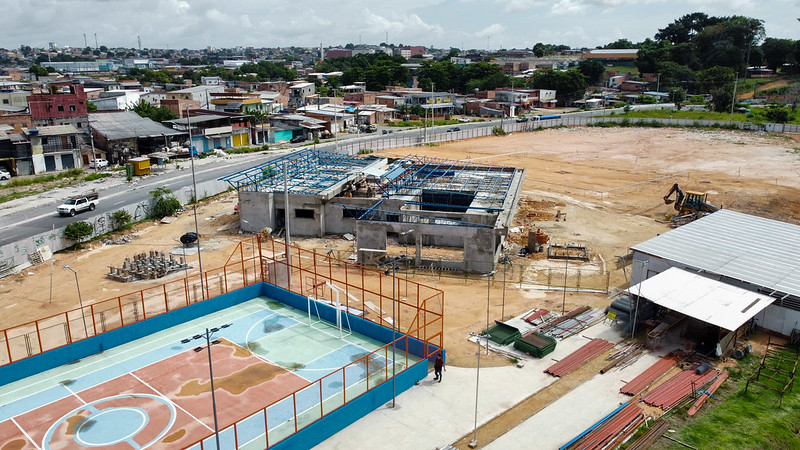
<point>276,369</point>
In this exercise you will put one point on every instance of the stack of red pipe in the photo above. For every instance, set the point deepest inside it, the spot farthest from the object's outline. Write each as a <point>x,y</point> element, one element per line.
<point>650,375</point>
<point>613,431</point>
<point>678,388</point>
<point>579,357</point>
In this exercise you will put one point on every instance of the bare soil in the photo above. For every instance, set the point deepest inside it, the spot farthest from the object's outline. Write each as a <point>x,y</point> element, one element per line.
<point>609,183</point>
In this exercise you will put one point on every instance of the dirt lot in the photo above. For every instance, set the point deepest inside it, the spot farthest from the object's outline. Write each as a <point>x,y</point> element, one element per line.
<point>608,182</point>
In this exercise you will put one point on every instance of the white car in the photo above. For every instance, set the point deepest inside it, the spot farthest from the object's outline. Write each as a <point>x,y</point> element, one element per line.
<point>98,163</point>
<point>4,175</point>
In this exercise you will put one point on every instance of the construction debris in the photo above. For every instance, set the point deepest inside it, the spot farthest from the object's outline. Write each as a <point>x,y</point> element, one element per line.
<point>704,395</point>
<point>570,252</point>
<point>146,267</point>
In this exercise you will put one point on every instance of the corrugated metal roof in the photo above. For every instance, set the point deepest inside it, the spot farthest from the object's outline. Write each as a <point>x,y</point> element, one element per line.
<point>57,130</point>
<point>735,245</point>
<point>127,124</point>
<point>702,298</point>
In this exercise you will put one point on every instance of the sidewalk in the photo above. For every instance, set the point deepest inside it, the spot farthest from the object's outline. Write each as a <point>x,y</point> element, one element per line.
<point>434,415</point>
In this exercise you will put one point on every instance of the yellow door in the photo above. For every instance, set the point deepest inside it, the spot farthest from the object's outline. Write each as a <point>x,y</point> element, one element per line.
<point>237,140</point>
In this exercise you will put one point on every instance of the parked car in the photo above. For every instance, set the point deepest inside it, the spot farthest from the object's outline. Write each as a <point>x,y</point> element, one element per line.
<point>298,139</point>
<point>386,131</point>
<point>521,119</point>
<point>98,163</point>
<point>4,175</point>
<point>463,119</point>
<point>453,129</point>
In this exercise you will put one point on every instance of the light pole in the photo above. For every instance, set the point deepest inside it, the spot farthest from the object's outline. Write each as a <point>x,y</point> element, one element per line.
<point>194,192</point>
<point>405,241</point>
<point>488,292</point>
<point>638,296</point>
<point>564,301</point>
<point>505,261</point>
<point>393,269</point>
<point>474,442</point>
<point>80,300</point>
<point>209,343</point>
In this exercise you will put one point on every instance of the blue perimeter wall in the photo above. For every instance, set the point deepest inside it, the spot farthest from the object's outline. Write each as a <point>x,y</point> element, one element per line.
<point>305,438</point>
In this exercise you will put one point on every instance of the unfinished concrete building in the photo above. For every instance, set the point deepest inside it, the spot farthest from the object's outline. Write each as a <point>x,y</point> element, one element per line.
<point>426,203</point>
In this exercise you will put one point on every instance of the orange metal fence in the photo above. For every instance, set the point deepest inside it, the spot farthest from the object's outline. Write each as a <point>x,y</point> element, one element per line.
<point>417,312</point>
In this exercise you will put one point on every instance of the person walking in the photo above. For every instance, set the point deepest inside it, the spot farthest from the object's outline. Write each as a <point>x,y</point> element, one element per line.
<point>438,365</point>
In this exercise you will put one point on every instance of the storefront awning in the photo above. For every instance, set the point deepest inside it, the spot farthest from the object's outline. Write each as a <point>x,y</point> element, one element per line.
<point>702,298</point>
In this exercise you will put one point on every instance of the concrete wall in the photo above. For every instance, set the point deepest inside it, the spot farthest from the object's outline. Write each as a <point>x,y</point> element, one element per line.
<point>17,254</point>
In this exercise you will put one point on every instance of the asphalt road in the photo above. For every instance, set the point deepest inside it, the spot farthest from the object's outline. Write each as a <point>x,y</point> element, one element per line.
<point>43,217</point>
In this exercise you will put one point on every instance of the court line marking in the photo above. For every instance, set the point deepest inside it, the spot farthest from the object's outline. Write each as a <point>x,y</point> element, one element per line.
<point>105,362</point>
<point>73,393</point>
<point>26,434</point>
<point>170,401</point>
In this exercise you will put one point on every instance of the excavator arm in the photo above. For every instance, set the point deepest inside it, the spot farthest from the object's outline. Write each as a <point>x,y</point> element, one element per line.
<point>679,196</point>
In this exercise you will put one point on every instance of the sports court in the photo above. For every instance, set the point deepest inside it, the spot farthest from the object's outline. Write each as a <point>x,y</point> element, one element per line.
<point>277,369</point>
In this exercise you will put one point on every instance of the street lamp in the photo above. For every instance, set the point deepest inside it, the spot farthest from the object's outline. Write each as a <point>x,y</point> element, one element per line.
<point>474,442</point>
<point>209,343</point>
<point>80,300</point>
<point>505,261</point>
<point>488,291</point>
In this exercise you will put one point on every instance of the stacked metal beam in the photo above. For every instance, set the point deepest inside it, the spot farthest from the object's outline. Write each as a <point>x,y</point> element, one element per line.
<point>654,372</point>
<point>613,431</point>
<point>579,357</point>
<point>678,388</point>
<point>651,436</point>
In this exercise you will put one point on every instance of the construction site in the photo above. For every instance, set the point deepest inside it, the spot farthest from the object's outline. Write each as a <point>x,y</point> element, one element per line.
<point>553,243</point>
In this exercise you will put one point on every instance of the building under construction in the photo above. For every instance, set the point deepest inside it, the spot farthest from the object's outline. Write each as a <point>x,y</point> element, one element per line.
<point>424,202</point>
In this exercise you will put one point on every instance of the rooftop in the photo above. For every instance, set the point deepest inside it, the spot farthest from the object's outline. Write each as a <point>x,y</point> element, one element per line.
<point>127,124</point>
<point>764,254</point>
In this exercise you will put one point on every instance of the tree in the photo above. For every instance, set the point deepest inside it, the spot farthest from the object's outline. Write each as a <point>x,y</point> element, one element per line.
<point>569,85</point>
<point>621,44</point>
<point>78,231</point>
<point>164,203</point>
<point>778,52</point>
<point>156,114</point>
<point>677,95</point>
<point>39,71</point>
<point>777,115</point>
<point>593,70</point>
<point>718,81</point>
<point>650,54</point>
<point>684,29</point>
<point>538,49</point>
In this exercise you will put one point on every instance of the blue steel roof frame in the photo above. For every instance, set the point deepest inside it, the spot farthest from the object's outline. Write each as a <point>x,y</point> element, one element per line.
<point>485,181</point>
<point>379,215</point>
<point>309,172</point>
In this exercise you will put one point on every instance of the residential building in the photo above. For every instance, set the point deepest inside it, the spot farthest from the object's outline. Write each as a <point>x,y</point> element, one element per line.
<point>62,104</point>
<point>53,148</point>
<point>124,134</point>
<point>117,100</point>
<point>17,122</point>
<point>299,93</point>
<point>215,129</point>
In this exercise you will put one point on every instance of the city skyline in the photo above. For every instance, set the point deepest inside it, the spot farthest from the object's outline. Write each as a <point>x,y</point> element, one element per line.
<point>465,24</point>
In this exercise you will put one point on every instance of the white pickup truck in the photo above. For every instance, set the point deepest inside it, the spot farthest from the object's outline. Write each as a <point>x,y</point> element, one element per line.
<point>74,205</point>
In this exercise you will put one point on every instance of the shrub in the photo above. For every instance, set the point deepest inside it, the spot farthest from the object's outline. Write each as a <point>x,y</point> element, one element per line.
<point>78,231</point>
<point>96,176</point>
<point>497,131</point>
<point>120,219</point>
<point>164,203</point>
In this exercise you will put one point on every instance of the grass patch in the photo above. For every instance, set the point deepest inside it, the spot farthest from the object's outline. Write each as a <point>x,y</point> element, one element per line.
<point>245,150</point>
<point>17,194</point>
<point>738,419</point>
<point>96,176</point>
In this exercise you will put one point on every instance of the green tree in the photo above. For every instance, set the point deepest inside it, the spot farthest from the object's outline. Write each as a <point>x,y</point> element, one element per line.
<point>538,49</point>
<point>621,43</point>
<point>164,203</point>
<point>777,115</point>
<point>156,114</point>
<point>78,232</point>
<point>685,28</point>
<point>569,85</point>
<point>778,52</point>
<point>39,71</point>
<point>650,54</point>
<point>718,81</point>
<point>677,95</point>
<point>593,70</point>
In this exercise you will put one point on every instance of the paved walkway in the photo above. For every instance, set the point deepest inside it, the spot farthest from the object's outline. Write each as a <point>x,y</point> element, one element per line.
<point>434,415</point>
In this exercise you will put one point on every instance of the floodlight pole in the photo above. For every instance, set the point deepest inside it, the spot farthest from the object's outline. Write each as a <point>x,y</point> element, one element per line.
<point>638,296</point>
<point>207,336</point>
<point>488,292</point>
<point>194,190</point>
<point>393,268</point>
<point>474,442</point>
<point>80,300</point>
<point>564,300</point>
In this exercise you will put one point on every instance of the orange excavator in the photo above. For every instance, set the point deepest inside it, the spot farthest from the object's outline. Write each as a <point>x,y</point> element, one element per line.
<point>690,205</point>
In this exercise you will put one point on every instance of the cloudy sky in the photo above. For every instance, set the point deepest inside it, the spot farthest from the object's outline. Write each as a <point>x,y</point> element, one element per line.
<point>476,24</point>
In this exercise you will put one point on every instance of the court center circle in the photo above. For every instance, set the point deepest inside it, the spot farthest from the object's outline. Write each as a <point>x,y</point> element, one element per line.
<point>127,423</point>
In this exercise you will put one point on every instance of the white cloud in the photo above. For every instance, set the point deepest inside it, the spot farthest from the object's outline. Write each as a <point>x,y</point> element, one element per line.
<point>494,29</point>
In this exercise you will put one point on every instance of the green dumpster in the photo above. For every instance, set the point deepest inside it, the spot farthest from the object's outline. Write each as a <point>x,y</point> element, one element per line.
<point>503,334</point>
<point>535,344</point>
